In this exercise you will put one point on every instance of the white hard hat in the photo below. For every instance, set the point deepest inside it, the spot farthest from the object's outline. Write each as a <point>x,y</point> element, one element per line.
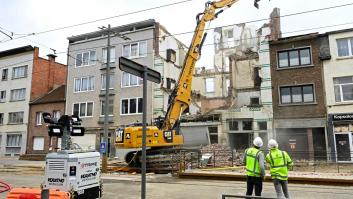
<point>258,142</point>
<point>272,144</point>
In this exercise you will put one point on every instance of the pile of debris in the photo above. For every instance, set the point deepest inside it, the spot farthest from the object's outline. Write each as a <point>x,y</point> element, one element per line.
<point>217,155</point>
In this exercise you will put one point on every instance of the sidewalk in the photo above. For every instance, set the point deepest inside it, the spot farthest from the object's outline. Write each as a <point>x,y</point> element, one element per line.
<point>14,161</point>
<point>293,176</point>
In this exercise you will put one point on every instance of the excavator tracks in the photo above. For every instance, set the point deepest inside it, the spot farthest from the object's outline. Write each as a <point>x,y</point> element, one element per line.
<point>160,160</point>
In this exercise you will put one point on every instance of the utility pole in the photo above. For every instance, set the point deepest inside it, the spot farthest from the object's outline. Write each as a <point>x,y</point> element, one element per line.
<point>106,100</point>
<point>106,106</point>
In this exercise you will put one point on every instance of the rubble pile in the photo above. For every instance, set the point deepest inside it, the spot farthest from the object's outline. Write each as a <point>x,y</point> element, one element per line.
<point>218,155</point>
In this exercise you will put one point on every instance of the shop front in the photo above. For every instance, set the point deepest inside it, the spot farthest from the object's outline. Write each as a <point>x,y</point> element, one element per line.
<point>303,139</point>
<point>342,133</point>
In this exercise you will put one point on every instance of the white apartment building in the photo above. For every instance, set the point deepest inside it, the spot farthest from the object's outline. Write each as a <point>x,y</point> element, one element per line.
<point>15,87</point>
<point>149,44</point>
<point>338,77</point>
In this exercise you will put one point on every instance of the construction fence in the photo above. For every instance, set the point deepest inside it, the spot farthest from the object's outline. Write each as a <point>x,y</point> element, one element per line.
<point>213,158</point>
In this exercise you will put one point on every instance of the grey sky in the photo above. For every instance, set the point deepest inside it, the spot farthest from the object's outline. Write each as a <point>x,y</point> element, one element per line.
<point>27,16</point>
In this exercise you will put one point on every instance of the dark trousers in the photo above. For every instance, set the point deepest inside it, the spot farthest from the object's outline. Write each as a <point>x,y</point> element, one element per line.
<point>252,182</point>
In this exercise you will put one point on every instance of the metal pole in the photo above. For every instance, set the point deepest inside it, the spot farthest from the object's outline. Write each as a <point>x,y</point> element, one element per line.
<point>106,106</point>
<point>66,137</point>
<point>64,140</point>
<point>144,111</point>
<point>44,194</point>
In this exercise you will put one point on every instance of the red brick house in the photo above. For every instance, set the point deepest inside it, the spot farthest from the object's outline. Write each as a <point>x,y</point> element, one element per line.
<point>298,95</point>
<point>38,141</point>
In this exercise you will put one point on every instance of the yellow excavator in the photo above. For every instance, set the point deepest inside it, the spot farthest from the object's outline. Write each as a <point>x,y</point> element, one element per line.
<point>165,136</point>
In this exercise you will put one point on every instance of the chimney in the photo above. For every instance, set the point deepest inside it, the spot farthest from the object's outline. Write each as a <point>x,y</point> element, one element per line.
<point>275,24</point>
<point>51,57</point>
<point>36,52</point>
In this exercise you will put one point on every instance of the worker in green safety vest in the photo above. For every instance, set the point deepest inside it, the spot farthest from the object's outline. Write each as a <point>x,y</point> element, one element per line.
<point>279,162</point>
<point>255,167</point>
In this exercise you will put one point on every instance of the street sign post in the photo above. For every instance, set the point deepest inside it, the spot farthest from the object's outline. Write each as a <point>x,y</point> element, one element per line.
<point>137,69</point>
<point>145,73</point>
<point>103,148</point>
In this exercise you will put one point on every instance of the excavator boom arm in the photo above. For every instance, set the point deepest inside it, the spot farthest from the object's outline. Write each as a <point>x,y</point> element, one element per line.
<point>180,98</point>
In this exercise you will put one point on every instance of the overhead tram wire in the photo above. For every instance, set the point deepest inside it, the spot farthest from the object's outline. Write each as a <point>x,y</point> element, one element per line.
<point>98,20</point>
<point>304,12</point>
<point>148,53</point>
<point>209,44</point>
<point>188,32</point>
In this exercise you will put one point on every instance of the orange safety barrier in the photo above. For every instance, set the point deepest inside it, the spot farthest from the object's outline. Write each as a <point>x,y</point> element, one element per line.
<point>35,193</point>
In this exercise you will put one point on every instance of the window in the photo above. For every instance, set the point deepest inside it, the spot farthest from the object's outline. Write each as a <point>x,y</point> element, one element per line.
<point>39,118</point>
<point>56,114</point>
<point>297,94</point>
<point>209,85</point>
<point>131,106</point>
<point>229,34</point>
<point>128,80</point>
<point>294,58</point>
<point>143,48</point>
<point>38,143</point>
<point>213,132</point>
<point>170,83</point>
<point>2,96</point>
<point>14,140</point>
<point>171,55</point>
<point>18,94</point>
<point>16,118</point>
<point>247,125</point>
<point>84,84</point>
<point>85,58</point>
<point>254,101</point>
<point>138,49</point>
<point>19,72</point>
<point>343,89</point>
<point>111,81</point>
<point>112,55</point>
<point>240,125</point>
<point>4,74</point>
<point>345,47</point>
<point>111,107</point>
<point>262,125</point>
<point>233,125</point>
<point>1,118</point>
<point>83,109</point>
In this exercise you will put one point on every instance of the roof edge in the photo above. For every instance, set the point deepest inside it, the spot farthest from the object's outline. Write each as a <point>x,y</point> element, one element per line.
<point>15,51</point>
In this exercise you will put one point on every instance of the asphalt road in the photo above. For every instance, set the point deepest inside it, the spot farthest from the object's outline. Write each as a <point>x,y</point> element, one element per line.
<point>164,186</point>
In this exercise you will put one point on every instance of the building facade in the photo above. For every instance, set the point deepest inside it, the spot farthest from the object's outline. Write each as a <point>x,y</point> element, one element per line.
<point>338,77</point>
<point>237,91</point>
<point>148,44</point>
<point>24,76</point>
<point>298,95</point>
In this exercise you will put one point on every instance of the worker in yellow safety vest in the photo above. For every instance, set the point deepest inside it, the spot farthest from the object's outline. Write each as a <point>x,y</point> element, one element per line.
<point>279,162</point>
<point>255,167</point>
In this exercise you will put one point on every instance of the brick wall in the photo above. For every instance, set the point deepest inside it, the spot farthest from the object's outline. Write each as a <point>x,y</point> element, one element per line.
<point>46,75</point>
<point>41,130</point>
<point>298,76</point>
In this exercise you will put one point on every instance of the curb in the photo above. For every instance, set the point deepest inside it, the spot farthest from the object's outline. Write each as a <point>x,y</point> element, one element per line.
<point>293,179</point>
